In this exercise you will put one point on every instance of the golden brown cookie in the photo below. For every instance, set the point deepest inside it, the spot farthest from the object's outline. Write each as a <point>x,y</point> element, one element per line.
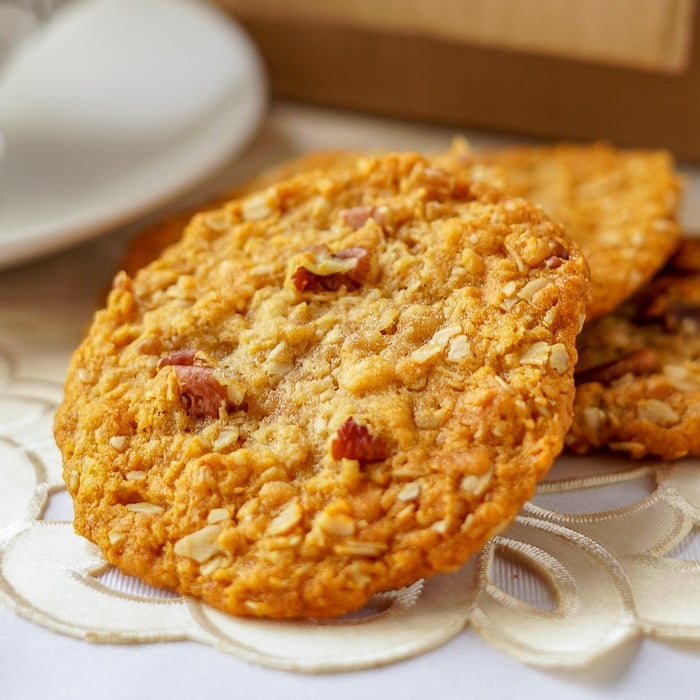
<point>638,378</point>
<point>333,387</point>
<point>619,206</point>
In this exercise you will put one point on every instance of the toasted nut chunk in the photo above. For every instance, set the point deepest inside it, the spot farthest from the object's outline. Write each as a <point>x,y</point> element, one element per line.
<point>201,393</point>
<point>320,270</point>
<point>203,389</point>
<point>354,441</point>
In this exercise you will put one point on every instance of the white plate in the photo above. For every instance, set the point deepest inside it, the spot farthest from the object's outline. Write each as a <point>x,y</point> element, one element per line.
<point>114,108</point>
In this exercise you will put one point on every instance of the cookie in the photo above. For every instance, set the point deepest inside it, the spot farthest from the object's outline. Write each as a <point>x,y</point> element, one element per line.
<point>335,386</point>
<point>619,206</point>
<point>147,245</point>
<point>638,377</point>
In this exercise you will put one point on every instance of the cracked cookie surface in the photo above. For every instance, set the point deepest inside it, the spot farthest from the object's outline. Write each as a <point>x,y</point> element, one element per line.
<point>332,387</point>
<point>638,378</point>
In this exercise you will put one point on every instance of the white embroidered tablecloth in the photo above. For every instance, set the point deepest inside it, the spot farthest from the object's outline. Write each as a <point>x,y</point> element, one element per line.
<point>595,588</point>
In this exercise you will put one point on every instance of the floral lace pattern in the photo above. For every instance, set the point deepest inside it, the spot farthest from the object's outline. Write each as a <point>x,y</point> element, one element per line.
<point>606,550</point>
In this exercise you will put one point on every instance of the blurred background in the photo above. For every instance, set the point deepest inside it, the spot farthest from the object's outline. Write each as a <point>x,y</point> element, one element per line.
<point>627,71</point>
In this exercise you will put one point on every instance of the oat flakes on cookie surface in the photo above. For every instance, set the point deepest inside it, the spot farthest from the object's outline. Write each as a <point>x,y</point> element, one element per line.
<point>333,387</point>
<point>638,378</point>
<point>618,205</point>
<point>147,245</point>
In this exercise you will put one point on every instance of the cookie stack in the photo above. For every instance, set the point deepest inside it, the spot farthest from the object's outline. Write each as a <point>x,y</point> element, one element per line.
<point>341,381</point>
<point>638,371</point>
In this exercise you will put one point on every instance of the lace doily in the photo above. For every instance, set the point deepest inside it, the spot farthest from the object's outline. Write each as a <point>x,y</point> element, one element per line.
<point>606,550</point>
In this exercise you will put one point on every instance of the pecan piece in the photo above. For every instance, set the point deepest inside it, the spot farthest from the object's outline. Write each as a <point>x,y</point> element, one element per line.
<point>330,271</point>
<point>203,388</point>
<point>558,256</point>
<point>354,441</point>
<point>306,281</point>
<point>356,217</point>
<point>640,361</point>
<point>201,393</point>
<point>179,357</point>
<point>359,273</point>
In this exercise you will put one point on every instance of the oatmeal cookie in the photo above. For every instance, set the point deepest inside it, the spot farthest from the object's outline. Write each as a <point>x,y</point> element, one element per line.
<point>619,206</point>
<point>332,387</point>
<point>638,377</point>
